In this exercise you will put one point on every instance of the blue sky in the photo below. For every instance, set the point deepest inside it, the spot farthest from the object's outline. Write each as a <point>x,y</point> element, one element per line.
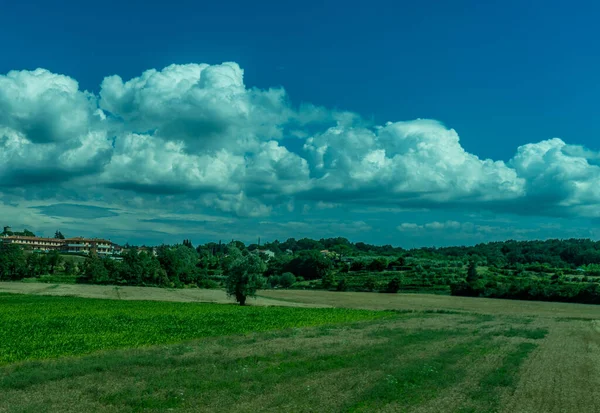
<point>295,142</point>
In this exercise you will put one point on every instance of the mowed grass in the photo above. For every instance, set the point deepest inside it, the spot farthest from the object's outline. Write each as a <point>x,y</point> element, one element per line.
<point>403,362</point>
<point>37,327</point>
<point>223,358</point>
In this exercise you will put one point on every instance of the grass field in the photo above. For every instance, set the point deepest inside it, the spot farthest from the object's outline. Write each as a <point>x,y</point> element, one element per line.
<point>451,355</point>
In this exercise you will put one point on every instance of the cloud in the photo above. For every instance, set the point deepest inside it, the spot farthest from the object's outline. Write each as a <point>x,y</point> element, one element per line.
<point>560,178</point>
<point>206,107</point>
<point>415,161</point>
<point>195,138</point>
<point>408,226</point>
<point>435,226</point>
<point>45,107</point>
<point>50,131</point>
<point>76,211</point>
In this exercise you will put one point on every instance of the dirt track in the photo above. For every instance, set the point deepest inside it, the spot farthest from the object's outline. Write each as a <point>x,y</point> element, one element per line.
<point>137,293</point>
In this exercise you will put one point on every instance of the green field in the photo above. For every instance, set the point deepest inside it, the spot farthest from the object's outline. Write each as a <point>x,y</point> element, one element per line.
<point>70,354</point>
<point>36,327</point>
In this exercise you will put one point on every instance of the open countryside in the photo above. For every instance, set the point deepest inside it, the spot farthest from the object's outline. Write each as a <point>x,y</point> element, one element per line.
<point>348,327</point>
<point>299,207</point>
<point>430,354</point>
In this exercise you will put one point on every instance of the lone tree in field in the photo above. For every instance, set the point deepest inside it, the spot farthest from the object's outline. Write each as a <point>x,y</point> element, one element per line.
<point>244,275</point>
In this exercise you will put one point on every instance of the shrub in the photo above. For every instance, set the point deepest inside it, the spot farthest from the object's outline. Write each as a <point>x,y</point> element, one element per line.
<point>287,279</point>
<point>208,284</point>
<point>393,286</point>
<point>369,284</point>
<point>328,281</point>
<point>378,264</point>
<point>358,266</point>
<point>273,281</point>
<point>342,285</point>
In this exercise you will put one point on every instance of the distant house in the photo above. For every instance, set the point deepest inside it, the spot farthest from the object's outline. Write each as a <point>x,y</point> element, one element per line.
<point>35,243</point>
<point>327,253</point>
<point>117,249</point>
<point>80,245</point>
<point>76,245</point>
<point>148,250</point>
<point>270,254</point>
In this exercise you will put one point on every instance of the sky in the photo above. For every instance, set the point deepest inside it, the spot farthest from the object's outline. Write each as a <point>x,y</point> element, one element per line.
<point>389,122</point>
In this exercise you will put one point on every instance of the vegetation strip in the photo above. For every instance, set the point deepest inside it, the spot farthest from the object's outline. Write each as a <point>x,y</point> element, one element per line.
<point>487,396</point>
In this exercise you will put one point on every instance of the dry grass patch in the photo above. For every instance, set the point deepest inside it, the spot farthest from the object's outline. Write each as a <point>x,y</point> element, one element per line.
<point>430,302</point>
<point>186,295</point>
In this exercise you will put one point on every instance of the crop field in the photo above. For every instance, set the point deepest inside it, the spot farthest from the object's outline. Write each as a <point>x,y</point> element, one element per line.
<point>70,354</point>
<point>42,327</point>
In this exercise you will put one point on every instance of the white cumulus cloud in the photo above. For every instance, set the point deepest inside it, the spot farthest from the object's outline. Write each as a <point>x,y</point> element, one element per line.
<point>195,135</point>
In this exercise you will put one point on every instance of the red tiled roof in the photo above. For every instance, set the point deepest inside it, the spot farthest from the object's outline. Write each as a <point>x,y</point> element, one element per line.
<point>23,237</point>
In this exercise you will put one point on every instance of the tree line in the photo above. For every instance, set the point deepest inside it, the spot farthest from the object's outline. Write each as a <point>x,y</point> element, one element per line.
<point>509,264</point>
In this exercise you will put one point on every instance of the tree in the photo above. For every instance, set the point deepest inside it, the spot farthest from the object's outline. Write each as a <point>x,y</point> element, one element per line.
<point>54,260</point>
<point>278,264</point>
<point>180,263</point>
<point>287,279</point>
<point>358,265</point>
<point>309,244</point>
<point>398,262</point>
<point>94,271</point>
<point>378,264</point>
<point>69,267</point>
<point>472,275</point>
<point>273,281</point>
<point>188,243</point>
<point>28,233</point>
<point>310,265</point>
<point>342,250</point>
<point>328,281</point>
<point>369,284</point>
<point>393,286</point>
<point>342,285</point>
<point>244,275</point>
<point>58,235</point>
<point>13,265</point>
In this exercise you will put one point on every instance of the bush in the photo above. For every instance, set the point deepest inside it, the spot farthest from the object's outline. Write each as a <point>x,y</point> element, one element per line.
<point>273,281</point>
<point>287,279</point>
<point>369,284</point>
<point>378,264</point>
<point>328,281</point>
<point>208,284</point>
<point>358,266</point>
<point>342,285</point>
<point>393,286</point>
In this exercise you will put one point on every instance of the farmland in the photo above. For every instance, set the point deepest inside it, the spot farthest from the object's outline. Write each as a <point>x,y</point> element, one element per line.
<point>434,353</point>
<point>43,327</point>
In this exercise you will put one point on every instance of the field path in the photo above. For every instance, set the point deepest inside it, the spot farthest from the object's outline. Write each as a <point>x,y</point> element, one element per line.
<point>139,293</point>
